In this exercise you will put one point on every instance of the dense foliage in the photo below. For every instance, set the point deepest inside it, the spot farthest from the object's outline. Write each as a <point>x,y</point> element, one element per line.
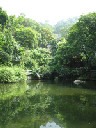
<point>12,74</point>
<point>66,50</point>
<point>77,56</point>
<point>82,36</point>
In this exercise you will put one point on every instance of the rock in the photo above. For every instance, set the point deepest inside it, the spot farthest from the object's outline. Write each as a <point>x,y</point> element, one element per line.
<point>78,82</point>
<point>50,125</point>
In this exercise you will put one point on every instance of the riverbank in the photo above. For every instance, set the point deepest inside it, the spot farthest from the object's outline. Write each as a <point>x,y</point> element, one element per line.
<point>17,74</point>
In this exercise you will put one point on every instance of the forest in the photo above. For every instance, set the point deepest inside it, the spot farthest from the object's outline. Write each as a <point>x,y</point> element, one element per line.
<point>65,51</point>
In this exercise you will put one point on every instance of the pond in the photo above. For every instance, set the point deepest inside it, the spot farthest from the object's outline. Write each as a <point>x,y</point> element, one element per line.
<point>47,104</point>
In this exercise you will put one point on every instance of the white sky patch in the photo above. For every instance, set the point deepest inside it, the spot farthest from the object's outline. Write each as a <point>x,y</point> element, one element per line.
<point>49,10</point>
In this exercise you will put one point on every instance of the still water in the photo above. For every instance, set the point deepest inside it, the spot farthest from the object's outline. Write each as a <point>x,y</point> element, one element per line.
<point>38,104</point>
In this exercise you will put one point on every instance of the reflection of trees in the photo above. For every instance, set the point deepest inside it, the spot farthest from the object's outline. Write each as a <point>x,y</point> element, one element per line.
<point>80,108</point>
<point>18,105</point>
<point>37,106</point>
<point>9,90</point>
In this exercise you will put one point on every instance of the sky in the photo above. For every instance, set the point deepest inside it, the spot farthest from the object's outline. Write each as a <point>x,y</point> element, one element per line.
<point>50,11</point>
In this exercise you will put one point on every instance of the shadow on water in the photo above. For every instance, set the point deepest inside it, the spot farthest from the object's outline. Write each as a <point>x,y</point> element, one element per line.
<point>48,104</point>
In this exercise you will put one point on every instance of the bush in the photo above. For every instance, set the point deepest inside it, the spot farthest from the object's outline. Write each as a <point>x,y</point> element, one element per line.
<point>11,74</point>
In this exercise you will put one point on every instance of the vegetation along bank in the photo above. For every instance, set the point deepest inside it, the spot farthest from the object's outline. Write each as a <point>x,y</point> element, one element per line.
<point>65,51</point>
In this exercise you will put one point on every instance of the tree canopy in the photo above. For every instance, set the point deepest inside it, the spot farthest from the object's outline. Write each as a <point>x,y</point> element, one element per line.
<point>82,37</point>
<point>3,17</point>
<point>36,46</point>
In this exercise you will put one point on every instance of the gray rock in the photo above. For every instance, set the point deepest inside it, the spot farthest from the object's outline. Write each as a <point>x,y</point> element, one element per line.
<point>50,125</point>
<point>78,82</point>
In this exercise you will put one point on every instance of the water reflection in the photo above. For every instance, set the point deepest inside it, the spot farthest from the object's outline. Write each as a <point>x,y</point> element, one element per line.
<point>9,90</point>
<point>44,105</point>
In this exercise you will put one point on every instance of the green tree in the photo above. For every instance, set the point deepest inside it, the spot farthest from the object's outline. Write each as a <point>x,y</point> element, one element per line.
<point>7,45</point>
<point>3,17</point>
<point>26,37</point>
<point>46,37</point>
<point>38,60</point>
<point>61,59</point>
<point>82,38</point>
